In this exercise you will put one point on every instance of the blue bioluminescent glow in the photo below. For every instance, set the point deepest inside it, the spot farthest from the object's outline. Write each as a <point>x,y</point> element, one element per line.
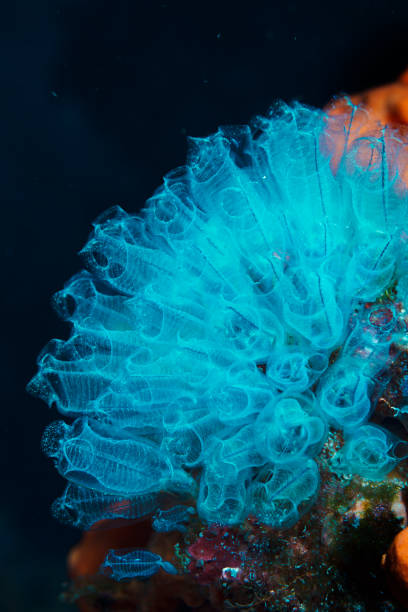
<point>218,336</point>
<point>120,565</point>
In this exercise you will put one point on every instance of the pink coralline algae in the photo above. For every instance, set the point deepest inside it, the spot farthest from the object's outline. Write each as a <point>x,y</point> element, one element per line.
<point>217,554</point>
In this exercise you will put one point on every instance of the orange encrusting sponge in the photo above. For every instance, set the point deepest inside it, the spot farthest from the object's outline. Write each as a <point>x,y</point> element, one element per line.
<point>395,564</point>
<point>387,104</point>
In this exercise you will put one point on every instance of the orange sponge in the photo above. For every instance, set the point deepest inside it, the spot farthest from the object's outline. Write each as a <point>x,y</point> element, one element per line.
<point>395,564</point>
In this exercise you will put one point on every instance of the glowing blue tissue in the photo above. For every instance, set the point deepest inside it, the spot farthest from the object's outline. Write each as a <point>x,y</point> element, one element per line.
<point>277,492</point>
<point>85,508</point>
<point>173,519</point>
<point>344,397</point>
<point>128,564</point>
<point>219,334</point>
<point>370,452</point>
<point>290,430</point>
<point>87,455</point>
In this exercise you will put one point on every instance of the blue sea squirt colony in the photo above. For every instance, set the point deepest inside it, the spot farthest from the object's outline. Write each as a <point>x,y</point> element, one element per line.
<point>221,334</point>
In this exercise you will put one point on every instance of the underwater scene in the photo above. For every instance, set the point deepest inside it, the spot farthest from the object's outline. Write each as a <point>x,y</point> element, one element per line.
<point>226,362</point>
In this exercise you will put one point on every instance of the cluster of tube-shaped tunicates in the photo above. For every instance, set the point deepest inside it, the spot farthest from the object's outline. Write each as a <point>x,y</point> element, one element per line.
<point>220,334</point>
